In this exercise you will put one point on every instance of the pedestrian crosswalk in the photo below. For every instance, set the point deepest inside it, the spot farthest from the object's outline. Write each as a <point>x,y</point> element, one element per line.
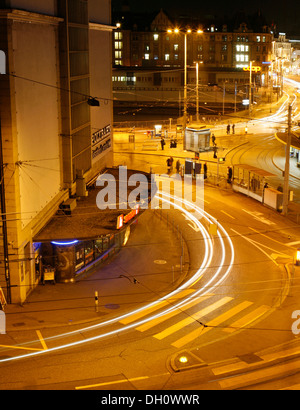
<point>207,312</point>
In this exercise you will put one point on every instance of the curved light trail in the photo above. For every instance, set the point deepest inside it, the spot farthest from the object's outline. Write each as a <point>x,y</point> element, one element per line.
<point>215,280</point>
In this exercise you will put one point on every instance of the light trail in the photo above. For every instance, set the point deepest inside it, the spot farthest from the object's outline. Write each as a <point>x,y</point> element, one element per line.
<point>208,255</point>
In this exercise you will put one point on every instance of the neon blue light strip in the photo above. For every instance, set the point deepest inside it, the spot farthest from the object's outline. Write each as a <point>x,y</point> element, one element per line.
<point>65,243</point>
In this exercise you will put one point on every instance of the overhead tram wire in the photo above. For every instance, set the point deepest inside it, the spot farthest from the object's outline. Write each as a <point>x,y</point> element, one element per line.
<point>112,99</point>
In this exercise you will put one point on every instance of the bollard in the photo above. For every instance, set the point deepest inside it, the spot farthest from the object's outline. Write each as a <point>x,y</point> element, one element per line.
<point>96,301</point>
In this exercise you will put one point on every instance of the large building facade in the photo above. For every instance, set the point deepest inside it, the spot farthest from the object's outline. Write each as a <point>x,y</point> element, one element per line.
<point>55,138</point>
<point>161,43</point>
<point>160,47</point>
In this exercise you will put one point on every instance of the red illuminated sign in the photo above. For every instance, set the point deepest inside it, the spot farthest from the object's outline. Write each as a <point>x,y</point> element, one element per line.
<point>123,219</point>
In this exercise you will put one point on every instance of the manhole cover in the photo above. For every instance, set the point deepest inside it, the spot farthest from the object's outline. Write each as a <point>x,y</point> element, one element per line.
<point>112,306</point>
<point>160,261</point>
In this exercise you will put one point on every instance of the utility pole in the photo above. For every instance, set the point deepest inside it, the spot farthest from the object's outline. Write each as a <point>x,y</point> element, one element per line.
<point>185,83</point>
<point>287,165</point>
<point>4,222</point>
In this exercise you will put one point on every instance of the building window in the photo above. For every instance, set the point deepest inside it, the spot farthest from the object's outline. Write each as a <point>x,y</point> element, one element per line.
<point>147,56</point>
<point>118,35</point>
<point>155,37</point>
<point>167,57</point>
<point>258,39</point>
<point>176,47</point>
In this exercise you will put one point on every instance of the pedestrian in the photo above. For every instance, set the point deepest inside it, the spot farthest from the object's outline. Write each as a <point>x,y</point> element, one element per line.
<point>280,189</point>
<point>205,170</point>
<point>178,166</point>
<point>215,150</point>
<point>169,163</point>
<point>233,127</point>
<point>162,143</point>
<point>213,138</point>
<point>228,129</point>
<point>229,175</point>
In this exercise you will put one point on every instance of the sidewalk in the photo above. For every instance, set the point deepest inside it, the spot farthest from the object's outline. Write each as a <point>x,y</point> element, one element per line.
<point>144,270</point>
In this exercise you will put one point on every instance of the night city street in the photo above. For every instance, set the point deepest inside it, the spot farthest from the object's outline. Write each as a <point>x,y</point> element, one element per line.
<point>150,200</point>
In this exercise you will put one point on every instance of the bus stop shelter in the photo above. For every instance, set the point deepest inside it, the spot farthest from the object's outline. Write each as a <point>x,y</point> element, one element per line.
<point>250,180</point>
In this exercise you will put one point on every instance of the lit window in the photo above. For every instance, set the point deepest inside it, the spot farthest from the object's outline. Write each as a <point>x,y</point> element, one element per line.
<point>167,57</point>
<point>118,35</point>
<point>155,37</point>
<point>147,56</point>
<point>118,45</point>
<point>258,39</point>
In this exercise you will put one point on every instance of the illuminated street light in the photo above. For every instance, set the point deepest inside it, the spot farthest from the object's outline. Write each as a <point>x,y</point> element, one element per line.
<point>298,257</point>
<point>188,31</point>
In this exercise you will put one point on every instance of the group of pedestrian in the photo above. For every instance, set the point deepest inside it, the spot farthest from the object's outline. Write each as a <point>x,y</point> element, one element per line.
<point>228,129</point>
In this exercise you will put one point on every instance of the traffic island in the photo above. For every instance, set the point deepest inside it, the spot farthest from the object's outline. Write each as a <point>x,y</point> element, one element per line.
<point>184,360</point>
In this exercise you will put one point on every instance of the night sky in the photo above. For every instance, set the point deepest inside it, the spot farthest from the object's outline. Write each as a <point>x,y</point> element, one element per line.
<point>284,13</point>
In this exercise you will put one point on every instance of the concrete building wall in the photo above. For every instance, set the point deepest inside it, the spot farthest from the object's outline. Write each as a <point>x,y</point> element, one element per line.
<point>37,6</point>
<point>37,115</point>
<point>32,120</point>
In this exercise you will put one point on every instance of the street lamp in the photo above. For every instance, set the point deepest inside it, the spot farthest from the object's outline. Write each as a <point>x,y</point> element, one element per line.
<point>188,31</point>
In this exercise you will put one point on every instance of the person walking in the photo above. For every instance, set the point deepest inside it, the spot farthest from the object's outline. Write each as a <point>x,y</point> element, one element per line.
<point>229,175</point>
<point>213,139</point>
<point>205,170</point>
<point>162,143</point>
<point>178,166</point>
<point>170,164</point>
<point>228,129</point>
<point>233,128</point>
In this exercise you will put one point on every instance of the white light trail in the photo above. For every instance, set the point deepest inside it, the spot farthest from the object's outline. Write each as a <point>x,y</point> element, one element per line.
<point>205,265</point>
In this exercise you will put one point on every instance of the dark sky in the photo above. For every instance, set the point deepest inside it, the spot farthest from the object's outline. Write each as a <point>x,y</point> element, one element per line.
<point>284,13</point>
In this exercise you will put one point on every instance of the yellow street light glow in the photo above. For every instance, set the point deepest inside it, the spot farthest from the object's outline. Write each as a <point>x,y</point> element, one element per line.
<point>298,257</point>
<point>169,30</point>
<point>183,359</point>
<point>176,30</point>
<point>199,31</point>
<point>189,30</point>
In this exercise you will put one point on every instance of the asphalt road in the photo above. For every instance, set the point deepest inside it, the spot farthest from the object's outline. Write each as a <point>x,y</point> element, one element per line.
<point>226,323</point>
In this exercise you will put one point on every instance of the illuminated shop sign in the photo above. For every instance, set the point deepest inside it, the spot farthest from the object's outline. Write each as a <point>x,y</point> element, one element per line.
<point>255,68</point>
<point>101,141</point>
<point>124,219</point>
